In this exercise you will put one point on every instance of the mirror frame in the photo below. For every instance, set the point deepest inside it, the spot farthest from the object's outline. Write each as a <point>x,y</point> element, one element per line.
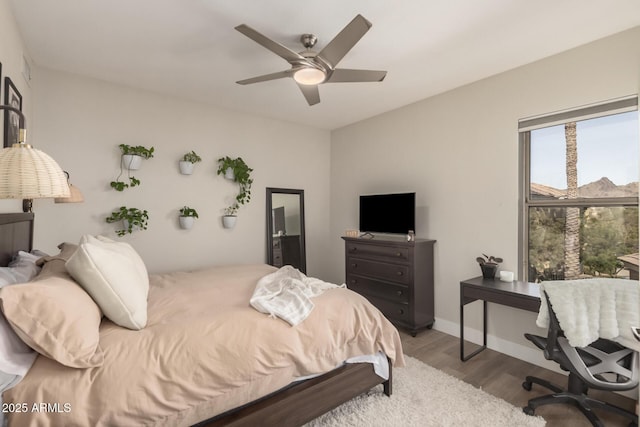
<point>303,252</point>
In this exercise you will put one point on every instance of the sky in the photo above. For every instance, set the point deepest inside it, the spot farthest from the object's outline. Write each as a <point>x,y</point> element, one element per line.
<point>607,147</point>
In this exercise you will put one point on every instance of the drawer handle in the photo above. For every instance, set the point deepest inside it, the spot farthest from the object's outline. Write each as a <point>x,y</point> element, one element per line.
<point>354,265</point>
<point>399,293</point>
<point>398,254</point>
<point>354,249</point>
<point>354,281</point>
<point>400,311</point>
<point>399,273</point>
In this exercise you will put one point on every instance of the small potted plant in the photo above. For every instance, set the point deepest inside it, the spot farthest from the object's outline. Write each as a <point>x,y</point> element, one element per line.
<point>230,216</point>
<point>131,159</point>
<point>132,155</point>
<point>187,216</point>
<point>188,161</point>
<point>489,265</point>
<point>132,219</point>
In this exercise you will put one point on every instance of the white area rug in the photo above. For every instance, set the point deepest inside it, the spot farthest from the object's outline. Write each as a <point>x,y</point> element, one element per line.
<point>424,396</point>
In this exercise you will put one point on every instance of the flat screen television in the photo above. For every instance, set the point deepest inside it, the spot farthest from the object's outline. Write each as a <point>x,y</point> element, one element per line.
<point>388,213</point>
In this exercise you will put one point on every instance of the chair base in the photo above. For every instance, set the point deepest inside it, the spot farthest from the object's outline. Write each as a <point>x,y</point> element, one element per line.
<point>576,396</point>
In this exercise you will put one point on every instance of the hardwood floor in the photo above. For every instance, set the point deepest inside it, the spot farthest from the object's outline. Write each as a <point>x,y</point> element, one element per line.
<point>502,376</point>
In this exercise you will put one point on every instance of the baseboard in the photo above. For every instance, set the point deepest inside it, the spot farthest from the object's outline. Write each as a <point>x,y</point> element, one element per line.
<point>528,354</point>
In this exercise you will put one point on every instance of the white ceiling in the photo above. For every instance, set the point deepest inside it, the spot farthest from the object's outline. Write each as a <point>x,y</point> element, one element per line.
<point>189,48</point>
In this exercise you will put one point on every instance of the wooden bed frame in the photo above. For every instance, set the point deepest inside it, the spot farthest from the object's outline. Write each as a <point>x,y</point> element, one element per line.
<point>293,405</point>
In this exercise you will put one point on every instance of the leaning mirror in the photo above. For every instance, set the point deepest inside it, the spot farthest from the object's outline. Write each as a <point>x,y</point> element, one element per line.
<point>285,228</point>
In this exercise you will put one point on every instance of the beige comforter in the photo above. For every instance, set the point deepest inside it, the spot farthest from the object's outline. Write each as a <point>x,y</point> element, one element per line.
<point>204,351</point>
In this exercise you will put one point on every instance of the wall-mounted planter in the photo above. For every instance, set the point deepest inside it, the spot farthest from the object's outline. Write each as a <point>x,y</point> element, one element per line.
<point>132,219</point>
<point>131,161</point>
<point>134,227</point>
<point>187,216</point>
<point>186,222</point>
<point>229,221</point>
<point>238,171</point>
<point>228,174</point>
<point>186,168</point>
<point>188,161</point>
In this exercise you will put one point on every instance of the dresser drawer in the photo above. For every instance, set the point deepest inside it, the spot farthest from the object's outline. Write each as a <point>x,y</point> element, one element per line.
<point>381,270</point>
<point>391,310</point>
<point>277,253</point>
<point>365,250</point>
<point>277,259</point>
<point>389,291</point>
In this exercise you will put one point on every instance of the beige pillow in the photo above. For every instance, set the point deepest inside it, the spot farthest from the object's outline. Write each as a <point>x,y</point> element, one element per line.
<point>57,318</point>
<point>54,265</point>
<point>116,278</point>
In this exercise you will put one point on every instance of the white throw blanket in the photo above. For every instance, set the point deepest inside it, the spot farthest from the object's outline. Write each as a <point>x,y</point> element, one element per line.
<point>287,293</point>
<point>589,309</point>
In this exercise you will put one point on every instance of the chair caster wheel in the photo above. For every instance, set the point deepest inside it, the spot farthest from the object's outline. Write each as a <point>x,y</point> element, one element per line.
<point>528,410</point>
<point>526,385</point>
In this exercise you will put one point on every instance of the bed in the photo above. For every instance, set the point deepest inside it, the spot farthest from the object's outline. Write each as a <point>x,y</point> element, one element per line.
<point>172,384</point>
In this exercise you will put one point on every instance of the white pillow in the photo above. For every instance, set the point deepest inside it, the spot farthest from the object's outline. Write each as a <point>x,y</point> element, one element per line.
<point>20,270</point>
<point>116,278</point>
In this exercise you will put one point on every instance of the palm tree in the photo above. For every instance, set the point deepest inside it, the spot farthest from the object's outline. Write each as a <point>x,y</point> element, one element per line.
<point>572,225</point>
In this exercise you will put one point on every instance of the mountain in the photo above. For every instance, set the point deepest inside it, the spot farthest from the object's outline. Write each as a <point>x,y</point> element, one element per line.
<point>600,188</point>
<point>605,188</point>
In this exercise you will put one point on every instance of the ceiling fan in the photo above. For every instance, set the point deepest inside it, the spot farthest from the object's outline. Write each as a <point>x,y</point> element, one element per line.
<point>309,68</point>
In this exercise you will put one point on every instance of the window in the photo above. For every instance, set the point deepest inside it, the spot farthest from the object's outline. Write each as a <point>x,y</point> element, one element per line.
<point>579,193</point>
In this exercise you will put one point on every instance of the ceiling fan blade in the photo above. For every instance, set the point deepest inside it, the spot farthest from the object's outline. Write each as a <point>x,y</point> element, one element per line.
<point>275,47</point>
<point>345,40</point>
<point>266,77</point>
<point>311,93</point>
<point>344,75</point>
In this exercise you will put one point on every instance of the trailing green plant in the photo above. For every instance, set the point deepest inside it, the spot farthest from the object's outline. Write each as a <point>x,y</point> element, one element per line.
<point>241,175</point>
<point>191,157</point>
<point>137,150</point>
<point>131,217</point>
<point>187,211</point>
<point>120,186</point>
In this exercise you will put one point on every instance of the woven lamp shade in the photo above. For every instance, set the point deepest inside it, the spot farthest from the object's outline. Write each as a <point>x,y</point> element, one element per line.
<point>28,173</point>
<point>75,196</point>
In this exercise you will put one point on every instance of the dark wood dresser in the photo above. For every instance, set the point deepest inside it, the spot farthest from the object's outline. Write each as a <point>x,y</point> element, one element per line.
<point>394,275</point>
<point>286,251</point>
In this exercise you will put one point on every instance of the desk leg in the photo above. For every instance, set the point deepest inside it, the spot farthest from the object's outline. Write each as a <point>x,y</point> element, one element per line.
<point>484,332</point>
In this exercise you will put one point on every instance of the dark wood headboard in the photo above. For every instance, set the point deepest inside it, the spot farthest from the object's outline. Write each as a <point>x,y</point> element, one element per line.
<point>16,234</point>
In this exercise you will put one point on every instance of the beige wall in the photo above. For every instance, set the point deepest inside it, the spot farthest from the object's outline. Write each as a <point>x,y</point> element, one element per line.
<point>459,152</point>
<point>80,122</point>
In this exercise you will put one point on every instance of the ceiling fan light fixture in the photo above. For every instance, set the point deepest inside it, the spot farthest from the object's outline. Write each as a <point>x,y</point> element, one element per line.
<point>309,76</point>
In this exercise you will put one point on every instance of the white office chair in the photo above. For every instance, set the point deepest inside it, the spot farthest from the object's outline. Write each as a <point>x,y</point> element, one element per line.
<point>604,365</point>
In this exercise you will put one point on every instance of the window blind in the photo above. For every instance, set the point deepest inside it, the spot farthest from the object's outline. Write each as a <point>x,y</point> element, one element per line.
<point>583,113</point>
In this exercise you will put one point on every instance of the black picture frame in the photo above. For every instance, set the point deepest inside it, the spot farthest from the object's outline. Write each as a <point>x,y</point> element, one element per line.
<point>11,119</point>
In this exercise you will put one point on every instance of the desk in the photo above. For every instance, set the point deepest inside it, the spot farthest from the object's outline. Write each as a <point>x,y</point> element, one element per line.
<point>522,295</point>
